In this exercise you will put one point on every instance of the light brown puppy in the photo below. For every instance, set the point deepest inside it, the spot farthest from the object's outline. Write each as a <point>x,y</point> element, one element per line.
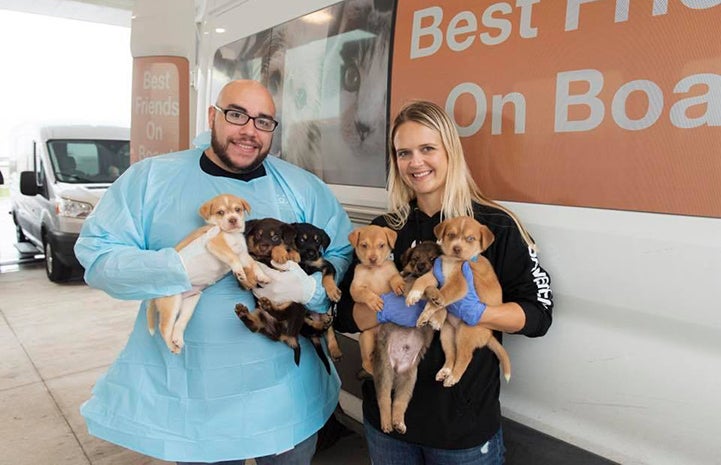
<point>209,253</point>
<point>375,275</point>
<point>462,239</point>
<point>399,349</point>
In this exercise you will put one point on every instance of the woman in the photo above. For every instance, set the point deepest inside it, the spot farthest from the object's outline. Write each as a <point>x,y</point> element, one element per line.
<point>429,181</point>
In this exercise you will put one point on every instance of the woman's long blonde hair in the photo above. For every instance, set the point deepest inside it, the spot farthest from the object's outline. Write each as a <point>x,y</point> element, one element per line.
<point>460,190</point>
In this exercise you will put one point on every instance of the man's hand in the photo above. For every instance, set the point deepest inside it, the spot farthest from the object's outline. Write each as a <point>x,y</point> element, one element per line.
<point>288,283</point>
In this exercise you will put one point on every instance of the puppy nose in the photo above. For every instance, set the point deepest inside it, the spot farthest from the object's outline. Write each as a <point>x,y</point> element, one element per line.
<point>312,254</point>
<point>373,259</point>
<point>457,249</point>
<point>232,220</point>
<point>421,267</point>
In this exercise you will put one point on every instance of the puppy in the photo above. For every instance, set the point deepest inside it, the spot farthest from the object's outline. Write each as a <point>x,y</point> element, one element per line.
<point>462,240</point>
<point>399,349</point>
<point>375,275</point>
<point>273,240</point>
<point>310,241</point>
<point>210,252</point>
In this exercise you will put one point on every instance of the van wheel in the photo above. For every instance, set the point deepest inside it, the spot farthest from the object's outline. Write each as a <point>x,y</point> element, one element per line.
<point>56,270</point>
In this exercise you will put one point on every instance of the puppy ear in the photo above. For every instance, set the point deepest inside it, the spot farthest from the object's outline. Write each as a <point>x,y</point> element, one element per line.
<point>324,239</point>
<point>486,235</point>
<point>250,226</point>
<point>244,203</point>
<point>391,236</point>
<point>440,229</point>
<point>206,209</point>
<point>354,236</point>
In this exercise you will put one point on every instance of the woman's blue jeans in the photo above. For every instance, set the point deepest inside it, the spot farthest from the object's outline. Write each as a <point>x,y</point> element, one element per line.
<point>301,454</point>
<point>385,450</point>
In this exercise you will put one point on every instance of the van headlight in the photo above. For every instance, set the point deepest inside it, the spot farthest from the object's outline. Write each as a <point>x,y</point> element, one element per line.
<point>73,208</point>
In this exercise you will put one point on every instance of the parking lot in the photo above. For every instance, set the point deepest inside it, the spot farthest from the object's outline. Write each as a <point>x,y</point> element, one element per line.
<point>56,340</point>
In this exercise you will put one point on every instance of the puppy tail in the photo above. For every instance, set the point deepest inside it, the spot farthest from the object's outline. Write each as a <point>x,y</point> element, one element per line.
<point>296,354</point>
<point>502,355</point>
<point>150,314</point>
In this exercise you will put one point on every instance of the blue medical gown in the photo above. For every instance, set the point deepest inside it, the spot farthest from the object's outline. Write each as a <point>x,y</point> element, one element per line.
<point>230,393</point>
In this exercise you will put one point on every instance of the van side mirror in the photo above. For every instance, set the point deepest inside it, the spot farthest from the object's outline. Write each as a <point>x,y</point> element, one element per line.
<point>28,183</point>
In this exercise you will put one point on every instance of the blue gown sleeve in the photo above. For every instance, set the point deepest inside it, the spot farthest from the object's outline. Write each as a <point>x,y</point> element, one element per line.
<point>113,246</point>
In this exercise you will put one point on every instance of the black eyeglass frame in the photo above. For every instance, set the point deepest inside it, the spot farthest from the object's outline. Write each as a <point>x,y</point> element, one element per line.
<point>255,119</point>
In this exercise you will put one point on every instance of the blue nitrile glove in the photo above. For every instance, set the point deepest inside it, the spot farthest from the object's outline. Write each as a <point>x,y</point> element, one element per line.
<point>469,308</point>
<point>396,311</point>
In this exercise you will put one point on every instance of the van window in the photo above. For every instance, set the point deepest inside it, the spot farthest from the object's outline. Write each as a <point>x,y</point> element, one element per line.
<point>89,161</point>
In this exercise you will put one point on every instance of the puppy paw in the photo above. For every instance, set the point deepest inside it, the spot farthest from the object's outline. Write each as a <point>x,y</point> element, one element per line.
<point>386,425</point>
<point>375,303</point>
<point>177,342</point>
<point>413,297</point>
<point>333,292</point>
<point>443,373</point>
<point>437,319</point>
<point>400,427</point>
<point>435,296</point>
<point>450,381</point>
<point>241,310</point>
<point>335,353</point>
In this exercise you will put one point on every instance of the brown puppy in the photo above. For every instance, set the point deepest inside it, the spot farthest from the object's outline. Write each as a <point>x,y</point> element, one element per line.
<point>273,240</point>
<point>399,349</point>
<point>210,251</point>
<point>462,239</point>
<point>375,275</point>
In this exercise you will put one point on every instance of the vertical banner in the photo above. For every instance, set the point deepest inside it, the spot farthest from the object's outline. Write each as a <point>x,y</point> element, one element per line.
<point>159,121</point>
<point>594,103</point>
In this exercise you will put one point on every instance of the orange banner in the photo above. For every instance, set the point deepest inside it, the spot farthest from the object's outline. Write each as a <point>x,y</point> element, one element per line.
<point>160,112</point>
<point>595,103</point>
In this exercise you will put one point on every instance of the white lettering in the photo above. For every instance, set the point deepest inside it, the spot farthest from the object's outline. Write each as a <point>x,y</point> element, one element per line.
<point>594,78</point>
<point>711,99</point>
<point>503,25</point>
<point>572,10</point>
<point>436,14</point>
<point>481,105</point>
<point>654,95</point>
<point>454,29</point>
<point>526,6</point>
<point>519,105</point>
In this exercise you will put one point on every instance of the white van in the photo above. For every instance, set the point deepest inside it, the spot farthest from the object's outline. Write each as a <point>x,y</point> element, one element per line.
<point>58,174</point>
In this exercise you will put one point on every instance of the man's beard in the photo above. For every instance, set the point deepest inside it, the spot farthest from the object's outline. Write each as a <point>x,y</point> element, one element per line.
<point>222,154</point>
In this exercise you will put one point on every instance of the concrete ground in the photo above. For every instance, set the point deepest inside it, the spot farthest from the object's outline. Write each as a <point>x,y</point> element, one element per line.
<point>55,341</point>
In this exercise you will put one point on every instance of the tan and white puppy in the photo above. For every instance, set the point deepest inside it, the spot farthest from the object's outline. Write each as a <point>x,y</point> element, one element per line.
<point>375,275</point>
<point>208,253</point>
<point>462,239</point>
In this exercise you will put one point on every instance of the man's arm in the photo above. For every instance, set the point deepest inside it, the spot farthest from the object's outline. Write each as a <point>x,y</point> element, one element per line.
<point>113,246</point>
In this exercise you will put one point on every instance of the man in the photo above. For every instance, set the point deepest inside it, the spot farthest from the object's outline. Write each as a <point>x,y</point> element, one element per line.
<point>230,394</point>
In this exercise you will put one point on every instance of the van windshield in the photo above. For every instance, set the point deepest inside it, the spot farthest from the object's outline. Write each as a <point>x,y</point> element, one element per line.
<point>89,161</point>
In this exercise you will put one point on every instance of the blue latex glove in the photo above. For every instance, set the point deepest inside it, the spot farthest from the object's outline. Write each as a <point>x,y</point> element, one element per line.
<point>396,311</point>
<point>469,308</point>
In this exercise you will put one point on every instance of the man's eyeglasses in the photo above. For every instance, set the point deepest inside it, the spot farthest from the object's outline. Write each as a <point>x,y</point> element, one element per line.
<point>241,118</point>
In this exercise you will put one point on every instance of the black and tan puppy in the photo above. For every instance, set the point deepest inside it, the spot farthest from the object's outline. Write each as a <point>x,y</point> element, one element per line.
<point>269,240</point>
<point>310,241</point>
<point>399,349</point>
<point>462,240</point>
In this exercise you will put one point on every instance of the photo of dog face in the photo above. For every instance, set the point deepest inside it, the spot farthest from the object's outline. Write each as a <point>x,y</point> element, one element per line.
<point>463,237</point>
<point>270,239</point>
<point>225,211</point>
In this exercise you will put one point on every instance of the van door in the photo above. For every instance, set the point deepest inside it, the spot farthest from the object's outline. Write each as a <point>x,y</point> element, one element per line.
<point>30,215</point>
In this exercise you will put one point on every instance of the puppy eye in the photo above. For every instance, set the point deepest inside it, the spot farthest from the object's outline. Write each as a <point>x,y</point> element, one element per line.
<point>451,235</point>
<point>237,209</point>
<point>275,238</point>
<point>221,212</point>
<point>470,238</point>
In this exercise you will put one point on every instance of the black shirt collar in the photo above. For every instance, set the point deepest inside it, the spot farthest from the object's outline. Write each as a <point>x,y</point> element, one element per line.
<point>212,169</point>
